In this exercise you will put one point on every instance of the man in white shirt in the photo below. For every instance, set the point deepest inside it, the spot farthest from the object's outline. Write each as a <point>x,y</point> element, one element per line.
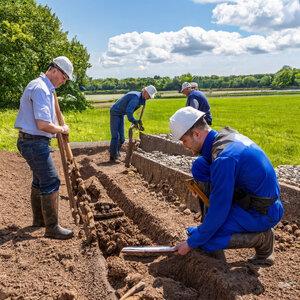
<point>36,121</point>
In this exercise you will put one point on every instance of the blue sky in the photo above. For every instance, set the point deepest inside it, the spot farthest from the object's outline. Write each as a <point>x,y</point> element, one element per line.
<point>139,38</point>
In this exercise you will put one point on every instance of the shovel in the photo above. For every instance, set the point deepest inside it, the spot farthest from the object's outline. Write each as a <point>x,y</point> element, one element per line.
<point>130,137</point>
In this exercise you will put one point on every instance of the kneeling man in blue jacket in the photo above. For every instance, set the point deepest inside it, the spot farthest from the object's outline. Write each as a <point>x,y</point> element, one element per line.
<point>244,198</point>
<point>127,105</point>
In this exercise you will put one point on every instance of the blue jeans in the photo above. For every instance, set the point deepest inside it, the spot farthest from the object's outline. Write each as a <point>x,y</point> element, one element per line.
<point>37,154</point>
<point>117,134</point>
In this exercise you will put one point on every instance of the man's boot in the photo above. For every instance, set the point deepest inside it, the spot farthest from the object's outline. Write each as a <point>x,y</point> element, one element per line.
<point>50,213</point>
<point>38,220</point>
<point>263,242</point>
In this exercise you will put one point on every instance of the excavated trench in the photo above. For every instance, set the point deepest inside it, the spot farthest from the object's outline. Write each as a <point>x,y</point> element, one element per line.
<point>148,204</point>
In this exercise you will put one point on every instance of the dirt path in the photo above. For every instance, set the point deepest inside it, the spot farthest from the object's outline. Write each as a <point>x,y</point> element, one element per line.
<point>33,267</point>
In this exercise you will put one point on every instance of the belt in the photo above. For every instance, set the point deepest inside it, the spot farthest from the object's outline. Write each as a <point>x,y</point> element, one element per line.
<point>28,136</point>
<point>248,201</point>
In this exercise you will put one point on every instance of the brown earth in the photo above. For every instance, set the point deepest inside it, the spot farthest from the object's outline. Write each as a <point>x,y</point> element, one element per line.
<point>141,213</point>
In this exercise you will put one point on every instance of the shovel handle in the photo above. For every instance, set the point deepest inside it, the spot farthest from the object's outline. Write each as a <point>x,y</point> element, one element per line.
<point>61,122</point>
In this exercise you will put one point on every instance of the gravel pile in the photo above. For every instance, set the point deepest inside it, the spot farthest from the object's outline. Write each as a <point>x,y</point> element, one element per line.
<point>289,174</point>
<point>285,173</point>
<point>180,162</point>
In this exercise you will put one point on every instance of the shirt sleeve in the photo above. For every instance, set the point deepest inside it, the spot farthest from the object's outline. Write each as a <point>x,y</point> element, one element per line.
<point>194,103</point>
<point>223,181</point>
<point>41,105</point>
<point>132,104</point>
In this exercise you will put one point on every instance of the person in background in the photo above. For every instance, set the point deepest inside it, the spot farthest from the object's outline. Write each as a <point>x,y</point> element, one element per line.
<point>194,85</point>
<point>37,124</point>
<point>197,100</point>
<point>244,198</point>
<point>127,105</point>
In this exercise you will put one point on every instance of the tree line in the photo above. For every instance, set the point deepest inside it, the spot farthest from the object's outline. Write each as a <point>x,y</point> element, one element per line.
<point>284,78</point>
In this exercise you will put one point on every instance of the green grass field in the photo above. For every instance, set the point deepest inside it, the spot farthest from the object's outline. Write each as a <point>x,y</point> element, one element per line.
<point>270,121</point>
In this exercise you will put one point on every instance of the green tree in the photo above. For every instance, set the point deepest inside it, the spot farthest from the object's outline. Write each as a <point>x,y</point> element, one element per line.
<point>283,78</point>
<point>30,37</point>
<point>297,79</point>
<point>265,81</point>
<point>250,81</point>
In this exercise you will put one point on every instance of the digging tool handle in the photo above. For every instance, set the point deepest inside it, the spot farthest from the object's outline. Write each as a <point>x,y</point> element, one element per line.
<point>144,250</point>
<point>142,112</point>
<point>194,188</point>
<point>65,169</point>
<point>61,122</point>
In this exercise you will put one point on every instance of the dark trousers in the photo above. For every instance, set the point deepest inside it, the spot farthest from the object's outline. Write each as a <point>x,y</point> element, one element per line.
<point>117,134</point>
<point>35,151</point>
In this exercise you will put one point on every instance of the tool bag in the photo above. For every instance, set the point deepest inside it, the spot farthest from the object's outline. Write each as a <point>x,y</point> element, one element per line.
<point>248,201</point>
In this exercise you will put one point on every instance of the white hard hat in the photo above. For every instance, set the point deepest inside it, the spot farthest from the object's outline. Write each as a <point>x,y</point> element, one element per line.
<point>64,64</point>
<point>185,85</point>
<point>151,90</point>
<point>183,120</point>
<point>194,84</point>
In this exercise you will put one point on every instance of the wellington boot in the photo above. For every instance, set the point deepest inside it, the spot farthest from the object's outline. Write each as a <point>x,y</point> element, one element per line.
<point>263,242</point>
<point>50,213</point>
<point>38,220</point>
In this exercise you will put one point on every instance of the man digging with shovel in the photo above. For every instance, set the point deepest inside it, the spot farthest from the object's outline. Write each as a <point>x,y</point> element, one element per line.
<point>244,202</point>
<point>127,105</point>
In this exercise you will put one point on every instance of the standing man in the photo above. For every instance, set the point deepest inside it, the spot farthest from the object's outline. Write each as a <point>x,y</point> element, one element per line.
<point>197,100</point>
<point>127,105</point>
<point>244,198</point>
<point>36,121</point>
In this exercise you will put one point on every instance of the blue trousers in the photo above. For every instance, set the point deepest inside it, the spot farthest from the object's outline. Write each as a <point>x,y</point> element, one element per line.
<point>37,154</point>
<point>239,221</point>
<point>117,134</point>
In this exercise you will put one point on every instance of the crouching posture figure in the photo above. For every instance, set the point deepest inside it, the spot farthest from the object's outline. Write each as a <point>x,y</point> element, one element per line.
<point>244,198</point>
<point>36,121</point>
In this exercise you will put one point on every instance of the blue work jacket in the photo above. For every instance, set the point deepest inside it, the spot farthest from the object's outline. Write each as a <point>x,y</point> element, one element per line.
<point>198,100</point>
<point>128,104</point>
<point>240,165</point>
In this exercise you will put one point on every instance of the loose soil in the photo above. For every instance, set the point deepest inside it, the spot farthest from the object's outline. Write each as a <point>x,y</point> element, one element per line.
<point>128,211</point>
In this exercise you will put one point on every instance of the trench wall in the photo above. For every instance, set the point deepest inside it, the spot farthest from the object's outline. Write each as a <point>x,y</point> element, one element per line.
<point>155,172</point>
<point>150,142</point>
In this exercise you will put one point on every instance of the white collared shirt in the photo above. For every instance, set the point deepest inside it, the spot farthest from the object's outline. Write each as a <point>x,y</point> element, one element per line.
<point>37,102</point>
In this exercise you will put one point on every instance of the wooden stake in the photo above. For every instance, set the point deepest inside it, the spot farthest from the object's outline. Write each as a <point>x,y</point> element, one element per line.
<point>135,289</point>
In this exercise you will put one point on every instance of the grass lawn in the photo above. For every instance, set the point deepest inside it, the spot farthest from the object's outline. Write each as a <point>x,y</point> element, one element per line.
<point>270,121</point>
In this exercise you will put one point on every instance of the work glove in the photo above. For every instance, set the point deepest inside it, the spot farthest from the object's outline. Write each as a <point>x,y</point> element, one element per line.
<point>65,129</point>
<point>139,125</point>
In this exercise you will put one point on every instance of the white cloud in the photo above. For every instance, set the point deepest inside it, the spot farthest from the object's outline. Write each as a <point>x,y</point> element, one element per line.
<point>147,48</point>
<point>258,15</point>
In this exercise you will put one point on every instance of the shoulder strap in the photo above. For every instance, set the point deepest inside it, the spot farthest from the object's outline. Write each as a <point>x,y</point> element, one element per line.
<point>225,137</point>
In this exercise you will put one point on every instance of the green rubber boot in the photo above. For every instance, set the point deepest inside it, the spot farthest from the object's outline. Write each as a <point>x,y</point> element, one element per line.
<point>50,213</point>
<point>262,242</point>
